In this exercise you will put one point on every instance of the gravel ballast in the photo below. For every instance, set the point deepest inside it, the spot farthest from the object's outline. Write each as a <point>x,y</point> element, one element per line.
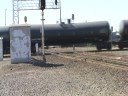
<point>62,77</point>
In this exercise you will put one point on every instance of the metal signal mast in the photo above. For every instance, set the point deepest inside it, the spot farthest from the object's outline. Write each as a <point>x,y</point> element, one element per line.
<point>20,5</point>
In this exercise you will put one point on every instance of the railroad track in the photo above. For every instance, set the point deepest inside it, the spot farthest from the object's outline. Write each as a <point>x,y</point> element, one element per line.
<point>107,58</point>
<point>100,57</point>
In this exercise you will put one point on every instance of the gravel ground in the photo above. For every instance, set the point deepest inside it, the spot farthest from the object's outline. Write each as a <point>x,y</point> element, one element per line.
<point>62,77</point>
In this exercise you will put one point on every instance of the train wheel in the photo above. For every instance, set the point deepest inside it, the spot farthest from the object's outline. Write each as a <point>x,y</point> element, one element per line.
<point>108,49</point>
<point>98,48</point>
<point>120,47</point>
<point>109,46</point>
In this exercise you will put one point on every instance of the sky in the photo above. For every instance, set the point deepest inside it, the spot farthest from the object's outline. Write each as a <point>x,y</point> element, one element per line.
<point>112,11</point>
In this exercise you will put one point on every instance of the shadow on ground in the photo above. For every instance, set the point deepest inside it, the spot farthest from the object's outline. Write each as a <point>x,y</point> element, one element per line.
<point>40,63</point>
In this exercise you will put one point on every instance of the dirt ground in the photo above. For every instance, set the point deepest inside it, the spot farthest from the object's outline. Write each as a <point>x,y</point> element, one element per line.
<point>62,77</point>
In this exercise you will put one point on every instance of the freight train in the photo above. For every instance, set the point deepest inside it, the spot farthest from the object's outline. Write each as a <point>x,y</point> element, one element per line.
<point>123,31</point>
<point>64,34</point>
<point>98,33</point>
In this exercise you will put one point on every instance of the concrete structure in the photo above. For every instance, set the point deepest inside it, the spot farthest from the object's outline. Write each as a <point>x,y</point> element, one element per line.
<point>20,44</point>
<point>1,48</point>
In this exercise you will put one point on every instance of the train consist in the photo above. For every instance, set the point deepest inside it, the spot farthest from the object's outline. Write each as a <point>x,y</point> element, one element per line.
<point>98,33</point>
<point>123,31</point>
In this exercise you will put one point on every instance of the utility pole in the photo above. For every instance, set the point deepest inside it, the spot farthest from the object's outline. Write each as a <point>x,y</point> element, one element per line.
<point>5,16</point>
<point>43,52</point>
<point>42,7</point>
<point>60,12</point>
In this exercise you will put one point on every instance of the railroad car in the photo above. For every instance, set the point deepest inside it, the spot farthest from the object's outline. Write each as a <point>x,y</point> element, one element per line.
<point>123,31</point>
<point>97,33</point>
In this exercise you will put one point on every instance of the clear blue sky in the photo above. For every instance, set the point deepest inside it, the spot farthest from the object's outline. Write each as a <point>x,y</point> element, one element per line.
<point>112,11</point>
